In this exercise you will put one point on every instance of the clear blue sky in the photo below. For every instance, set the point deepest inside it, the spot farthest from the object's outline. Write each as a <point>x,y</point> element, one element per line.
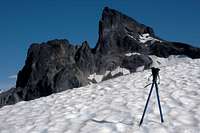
<point>23,22</point>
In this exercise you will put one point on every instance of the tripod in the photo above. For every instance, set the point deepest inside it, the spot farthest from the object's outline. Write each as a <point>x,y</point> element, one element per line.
<point>155,74</point>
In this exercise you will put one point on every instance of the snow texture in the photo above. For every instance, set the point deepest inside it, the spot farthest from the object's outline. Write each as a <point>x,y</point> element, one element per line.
<point>114,106</point>
<point>134,53</point>
<point>171,60</point>
<point>132,37</point>
<point>146,37</point>
<point>99,78</point>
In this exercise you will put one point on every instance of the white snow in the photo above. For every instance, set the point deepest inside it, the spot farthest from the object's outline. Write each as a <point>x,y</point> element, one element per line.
<point>132,37</point>
<point>171,60</point>
<point>99,78</point>
<point>124,71</point>
<point>143,38</point>
<point>146,37</point>
<point>96,77</point>
<point>114,106</point>
<point>141,68</point>
<point>134,53</point>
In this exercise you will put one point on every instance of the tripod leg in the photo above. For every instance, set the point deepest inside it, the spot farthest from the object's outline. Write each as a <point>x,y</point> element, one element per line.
<point>159,103</point>
<point>146,105</point>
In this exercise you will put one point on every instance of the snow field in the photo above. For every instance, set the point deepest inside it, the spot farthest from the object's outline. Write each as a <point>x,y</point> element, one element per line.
<point>114,106</point>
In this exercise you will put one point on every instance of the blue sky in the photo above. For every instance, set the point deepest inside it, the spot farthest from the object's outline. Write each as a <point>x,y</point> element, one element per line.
<point>23,22</point>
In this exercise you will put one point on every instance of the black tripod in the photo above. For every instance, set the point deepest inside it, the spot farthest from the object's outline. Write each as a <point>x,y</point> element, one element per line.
<point>155,74</point>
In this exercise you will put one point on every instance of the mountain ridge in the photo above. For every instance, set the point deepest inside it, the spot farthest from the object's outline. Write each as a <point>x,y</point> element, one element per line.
<point>57,65</point>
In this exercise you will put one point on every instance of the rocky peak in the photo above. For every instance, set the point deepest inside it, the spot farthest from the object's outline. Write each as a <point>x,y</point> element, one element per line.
<point>85,45</point>
<point>113,19</point>
<point>57,65</point>
<point>115,27</point>
<point>43,59</point>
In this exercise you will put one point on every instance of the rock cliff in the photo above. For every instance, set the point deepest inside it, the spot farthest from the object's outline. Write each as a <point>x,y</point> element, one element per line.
<point>57,65</point>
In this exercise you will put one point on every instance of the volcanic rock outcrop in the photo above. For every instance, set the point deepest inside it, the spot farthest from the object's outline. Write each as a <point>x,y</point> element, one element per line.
<point>57,65</point>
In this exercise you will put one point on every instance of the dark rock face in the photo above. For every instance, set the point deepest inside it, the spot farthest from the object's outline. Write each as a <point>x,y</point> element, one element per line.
<point>165,49</point>
<point>85,59</point>
<point>57,65</point>
<point>115,30</point>
<point>133,62</point>
<point>49,69</point>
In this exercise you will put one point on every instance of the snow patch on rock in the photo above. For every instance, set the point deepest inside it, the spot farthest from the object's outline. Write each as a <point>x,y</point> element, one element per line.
<point>143,38</point>
<point>130,54</point>
<point>124,71</point>
<point>96,77</point>
<point>99,78</point>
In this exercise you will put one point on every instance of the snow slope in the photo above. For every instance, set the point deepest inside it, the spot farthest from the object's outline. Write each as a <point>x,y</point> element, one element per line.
<point>99,78</point>
<point>114,106</point>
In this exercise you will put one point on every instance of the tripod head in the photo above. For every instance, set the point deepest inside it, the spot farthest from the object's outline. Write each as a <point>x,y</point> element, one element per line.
<point>155,71</point>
